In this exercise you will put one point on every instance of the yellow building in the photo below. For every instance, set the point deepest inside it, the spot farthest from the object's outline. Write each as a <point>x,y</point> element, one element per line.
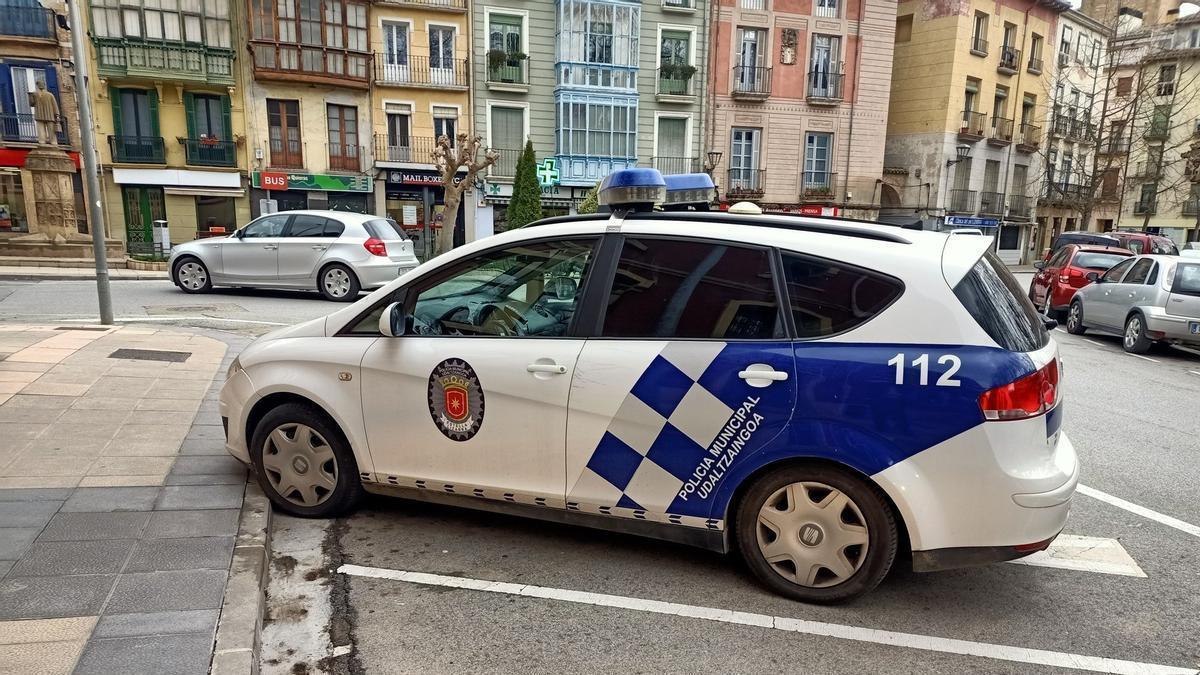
<point>420,92</point>
<point>168,111</point>
<point>969,91</point>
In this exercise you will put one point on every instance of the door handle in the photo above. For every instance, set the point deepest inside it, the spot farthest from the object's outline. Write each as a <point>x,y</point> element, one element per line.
<point>270,247</point>
<point>552,368</point>
<point>317,247</point>
<point>761,375</point>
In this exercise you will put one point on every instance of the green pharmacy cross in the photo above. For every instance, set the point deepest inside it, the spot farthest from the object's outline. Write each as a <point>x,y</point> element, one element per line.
<point>547,172</point>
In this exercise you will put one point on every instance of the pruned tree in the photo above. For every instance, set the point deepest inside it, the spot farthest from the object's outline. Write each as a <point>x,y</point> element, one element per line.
<point>526,204</point>
<point>450,158</point>
<point>591,201</point>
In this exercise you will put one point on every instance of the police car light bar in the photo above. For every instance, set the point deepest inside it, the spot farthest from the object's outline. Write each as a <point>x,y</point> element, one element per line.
<point>689,189</point>
<point>632,189</point>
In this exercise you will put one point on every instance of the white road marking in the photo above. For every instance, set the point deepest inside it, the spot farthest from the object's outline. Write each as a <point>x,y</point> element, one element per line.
<point>1092,342</point>
<point>1144,358</point>
<point>927,643</point>
<point>1139,510</point>
<point>1085,554</point>
<point>1194,372</point>
<point>341,650</point>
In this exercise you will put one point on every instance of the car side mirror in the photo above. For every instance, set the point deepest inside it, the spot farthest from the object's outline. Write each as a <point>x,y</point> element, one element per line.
<point>1093,277</point>
<point>393,322</point>
<point>565,288</point>
<point>238,234</point>
<point>1041,264</point>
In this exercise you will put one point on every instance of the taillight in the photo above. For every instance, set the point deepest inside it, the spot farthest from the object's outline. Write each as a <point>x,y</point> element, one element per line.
<point>1029,396</point>
<point>375,246</point>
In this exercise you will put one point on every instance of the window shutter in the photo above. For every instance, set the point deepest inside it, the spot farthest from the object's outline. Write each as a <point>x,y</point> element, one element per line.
<point>226,119</point>
<point>189,111</point>
<point>6,89</point>
<point>152,99</point>
<point>114,96</point>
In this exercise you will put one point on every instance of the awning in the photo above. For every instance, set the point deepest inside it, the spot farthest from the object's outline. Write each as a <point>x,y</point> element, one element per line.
<point>204,192</point>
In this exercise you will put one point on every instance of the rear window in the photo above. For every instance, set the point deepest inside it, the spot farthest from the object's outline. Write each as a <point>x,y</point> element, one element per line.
<point>384,228</point>
<point>1097,261</point>
<point>828,298</point>
<point>1187,279</point>
<point>1163,246</point>
<point>998,304</point>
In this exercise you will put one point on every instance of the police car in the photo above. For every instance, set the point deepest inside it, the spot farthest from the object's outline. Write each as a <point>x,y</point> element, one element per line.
<point>812,394</point>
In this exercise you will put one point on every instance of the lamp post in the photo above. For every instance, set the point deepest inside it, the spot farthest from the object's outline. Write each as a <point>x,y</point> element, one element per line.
<point>710,164</point>
<point>963,151</point>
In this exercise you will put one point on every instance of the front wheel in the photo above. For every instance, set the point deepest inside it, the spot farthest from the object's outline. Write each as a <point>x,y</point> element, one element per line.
<point>1136,341</point>
<point>191,276</point>
<point>338,283</point>
<point>303,463</point>
<point>1075,319</point>
<point>816,534</point>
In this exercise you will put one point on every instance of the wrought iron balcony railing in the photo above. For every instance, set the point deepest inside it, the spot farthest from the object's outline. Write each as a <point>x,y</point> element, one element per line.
<point>675,80</point>
<point>209,151</point>
<point>817,186</point>
<point>991,203</point>
<point>419,71</point>
<point>753,82</point>
<point>825,86</point>
<point>33,22</point>
<point>972,125</point>
<point>1029,137</point>
<point>22,128</point>
<point>745,183</point>
<point>415,149</point>
<point>1010,60</point>
<point>137,149</point>
<point>1001,132</point>
<point>963,201</point>
<point>670,165</point>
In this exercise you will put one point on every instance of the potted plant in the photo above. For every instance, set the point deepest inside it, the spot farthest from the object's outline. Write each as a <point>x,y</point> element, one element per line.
<point>505,66</point>
<point>674,77</point>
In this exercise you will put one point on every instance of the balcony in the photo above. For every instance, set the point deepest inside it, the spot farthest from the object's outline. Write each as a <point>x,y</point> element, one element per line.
<point>1063,194</point>
<point>414,150</point>
<point>679,5</point>
<point>289,157</point>
<point>119,57</point>
<point>1145,206</point>
<point>1147,169</point>
<point>1157,131</point>
<point>979,46</point>
<point>1001,134</point>
<point>345,157</point>
<point>991,203</point>
<point>962,201</point>
<point>289,62</point>
<point>1029,138</point>
<point>27,22</point>
<point>1020,207</point>
<point>1082,131</point>
<point>825,87</point>
<point>1114,146</point>
<point>818,186</point>
<point>1191,207</point>
<point>751,83</point>
<point>1010,61</point>
<point>1061,127</point>
<point>22,128</point>
<point>971,127</point>
<point>745,184</point>
<point>137,149</point>
<point>443,5</point>
<point>1035,66</point>
<point>417,72</point>
<point>207,151</point>
<point>670,165</point>
<point>675,83</point>
<point>506,72</point>
<point>506,165</point>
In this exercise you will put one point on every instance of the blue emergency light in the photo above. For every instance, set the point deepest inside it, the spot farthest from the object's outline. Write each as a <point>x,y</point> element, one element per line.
<point>637,189</point>
<point>687,191</point>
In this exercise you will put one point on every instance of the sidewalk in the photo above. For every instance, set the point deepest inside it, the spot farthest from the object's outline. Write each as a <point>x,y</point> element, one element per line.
<point>118,506</point>
<point>23,273</point>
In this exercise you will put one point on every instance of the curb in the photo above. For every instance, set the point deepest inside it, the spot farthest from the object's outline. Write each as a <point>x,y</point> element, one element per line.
<point>145,276</point>
<point>239,630</point>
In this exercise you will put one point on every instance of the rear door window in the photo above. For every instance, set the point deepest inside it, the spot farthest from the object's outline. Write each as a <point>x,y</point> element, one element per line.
<point>1114,275</point>
<point>999,305</point>
<point>828,298</point>
<point>307,226</point>
<point>1139,273</point>
<point>667,288</point>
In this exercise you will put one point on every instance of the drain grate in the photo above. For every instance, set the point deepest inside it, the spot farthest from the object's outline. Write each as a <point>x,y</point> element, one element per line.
<point>150,355</point>
<point>95,328</point>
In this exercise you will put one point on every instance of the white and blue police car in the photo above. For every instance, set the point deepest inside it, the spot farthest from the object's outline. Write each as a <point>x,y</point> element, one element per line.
<point>814,394</point>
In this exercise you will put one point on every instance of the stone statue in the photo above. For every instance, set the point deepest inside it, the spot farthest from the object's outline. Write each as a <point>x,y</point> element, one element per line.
<point>45,114</point>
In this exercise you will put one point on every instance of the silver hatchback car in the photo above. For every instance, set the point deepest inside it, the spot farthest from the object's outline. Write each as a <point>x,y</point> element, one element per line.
<point>335,252</point>
<point>1145,299</point>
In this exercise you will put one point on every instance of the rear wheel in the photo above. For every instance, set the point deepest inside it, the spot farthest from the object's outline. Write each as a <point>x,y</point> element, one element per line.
<point>191,276</point>
<point>1075,319</point>
<point>816,534</point>
<point>338,283</point>
<point>303,463</point>
<point>1136,341</point>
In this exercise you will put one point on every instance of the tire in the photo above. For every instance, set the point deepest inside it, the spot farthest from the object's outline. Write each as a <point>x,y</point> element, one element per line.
<point>191,275</point>
<point>338,283</point>
<point>1135,340</point>
<point>304,464</point>
<point>862,548</point>
<point>1075,319</point>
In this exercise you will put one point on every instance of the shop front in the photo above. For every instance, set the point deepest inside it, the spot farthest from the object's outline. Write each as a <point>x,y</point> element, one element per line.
<point>414,198</point>
<point>491,211</point>
<point>195,204</point>
<point>286,191</point>
<point>17,211</point>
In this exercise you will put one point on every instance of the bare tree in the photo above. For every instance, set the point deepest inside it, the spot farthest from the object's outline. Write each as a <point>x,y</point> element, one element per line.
<point>450,158</point>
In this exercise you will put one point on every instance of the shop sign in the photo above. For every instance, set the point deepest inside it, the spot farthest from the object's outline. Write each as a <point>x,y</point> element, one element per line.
<point>505,190</point>
<point>965,221</point>
<point>547,173</point>
<point>419,177</point>
<point>16,157</point>
<point>272,180</point>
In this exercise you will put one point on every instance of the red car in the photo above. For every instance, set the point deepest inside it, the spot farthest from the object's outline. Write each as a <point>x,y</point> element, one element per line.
<point>1143,242</point>
<point>1067,271</point>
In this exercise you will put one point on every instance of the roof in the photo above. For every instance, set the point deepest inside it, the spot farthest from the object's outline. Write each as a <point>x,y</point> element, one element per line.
<point>347,216</point>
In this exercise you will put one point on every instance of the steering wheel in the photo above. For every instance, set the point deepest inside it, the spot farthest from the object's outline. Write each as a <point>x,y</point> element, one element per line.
<point>501,320</point>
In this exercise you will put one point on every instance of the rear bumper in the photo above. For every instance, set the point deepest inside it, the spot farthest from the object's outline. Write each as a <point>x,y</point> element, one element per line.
<point>954,558</point>
<point>373,274</point>
<point>1170,326</point>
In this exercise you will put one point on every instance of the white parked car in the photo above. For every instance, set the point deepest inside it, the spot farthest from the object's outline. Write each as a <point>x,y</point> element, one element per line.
<point>335,252</point>
<point>808,393</point>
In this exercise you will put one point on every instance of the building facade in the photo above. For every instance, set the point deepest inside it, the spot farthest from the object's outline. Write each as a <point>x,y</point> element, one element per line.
<point>419,92</point>
<point>596,85</point>
<point>33,49</point>
<point>799,94</point>
<point>167,104</point>
<point>970,86</point>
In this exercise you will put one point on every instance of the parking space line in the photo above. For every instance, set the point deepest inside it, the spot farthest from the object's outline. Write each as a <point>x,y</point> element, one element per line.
<point>927,643</point>
<point>1194,372</point>
<point>1139,510</point>
<point>1144,358</point>
<point>1085,554</point>
<point>1092,342</point>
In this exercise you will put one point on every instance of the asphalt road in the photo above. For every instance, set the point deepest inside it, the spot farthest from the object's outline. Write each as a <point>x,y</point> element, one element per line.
<point>1133,421</point>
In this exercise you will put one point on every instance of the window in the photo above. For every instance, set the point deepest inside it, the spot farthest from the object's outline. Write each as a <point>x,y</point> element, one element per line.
<point>598,43</point>
<point>597,127</point>
<point>504,37</point>
<point>1166,80</point>
<point>991,175</point>
<point>826,53</point>
<point>1035,51</point>
<point>191,21</point>
<point>826,8</point>
<point>445,122</point>
<point>1124,86</point>
<point>1139,273</point>
<point>818,147</point>
<point>1010,32</point>
<point>318,26</point>
<point>1096,261</point>
<point>971,95</point>
<point>827,298</point>
<point>1160,120</point>
<point>395,49</point>
<point>1083,49</point>
<point>269,226</point>
<point>307,226</point>
<point>137,114</point>
<point>685,289</point>
<point>12,202</point>
<point>757,5</point>
<point>528,290</point>
<point>675,48</point>
<point>283,132</point>
<point>904,26</point>
<point>208,117</point>
<point>1001,307</point>
<point>671,153</point>
<point>743,159</point>
<point>1145,203</point>
<point>1114,274</point>
<point>342,126</point>
<point>441,47</point>
<point>215,215</point>
<point>507,136</point>
<point>979,33</point>
<point>1064,45</point>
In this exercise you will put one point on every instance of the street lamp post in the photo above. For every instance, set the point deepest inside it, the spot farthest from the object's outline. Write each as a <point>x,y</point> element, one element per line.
<point>87,139</point>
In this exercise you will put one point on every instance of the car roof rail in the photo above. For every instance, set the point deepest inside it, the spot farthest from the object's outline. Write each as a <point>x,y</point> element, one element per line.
<point>845,227</point>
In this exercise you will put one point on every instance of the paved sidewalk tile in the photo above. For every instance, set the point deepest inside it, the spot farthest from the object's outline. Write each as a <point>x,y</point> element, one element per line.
<point>217,522</point>
<point>46,630</point>
<point>175,654</point>
<point>5,566</point>
<point>54,658</point>
<point>35,495</point>
<point>121,481</point>
<point>184,553</point>
<point>27,514</point>
<point>162,591</point>
<point>202,446</point>
<point>27,402</point>
<point>157,623</point>
<point>200,497</point>
<point>86,526</point>
<point>14,541</point>
<point>111,499</point>
<point>21,430</point>
<point>51,597</point>
<point>214,464</point>
<point>57,558</point>
<point>205,479</point>
<point>79,446</point>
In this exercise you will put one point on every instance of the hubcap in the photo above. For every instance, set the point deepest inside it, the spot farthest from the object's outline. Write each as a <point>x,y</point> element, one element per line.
<point>299,464</point>
<point>1073,319</point>
<point>812,534</point>
<point>192,276</point>
<point>1133,331</point>
<point>337,282</point>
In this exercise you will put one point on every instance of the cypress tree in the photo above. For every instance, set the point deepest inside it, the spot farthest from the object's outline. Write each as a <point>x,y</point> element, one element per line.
<point>526,204</point>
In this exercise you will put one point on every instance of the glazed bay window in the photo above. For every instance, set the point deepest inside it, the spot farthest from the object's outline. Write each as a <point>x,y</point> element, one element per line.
<point>188,38</point>
<point>506,55</point>
<point>598,44</point>
<point>600,127</point>
<point>305,40</point>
